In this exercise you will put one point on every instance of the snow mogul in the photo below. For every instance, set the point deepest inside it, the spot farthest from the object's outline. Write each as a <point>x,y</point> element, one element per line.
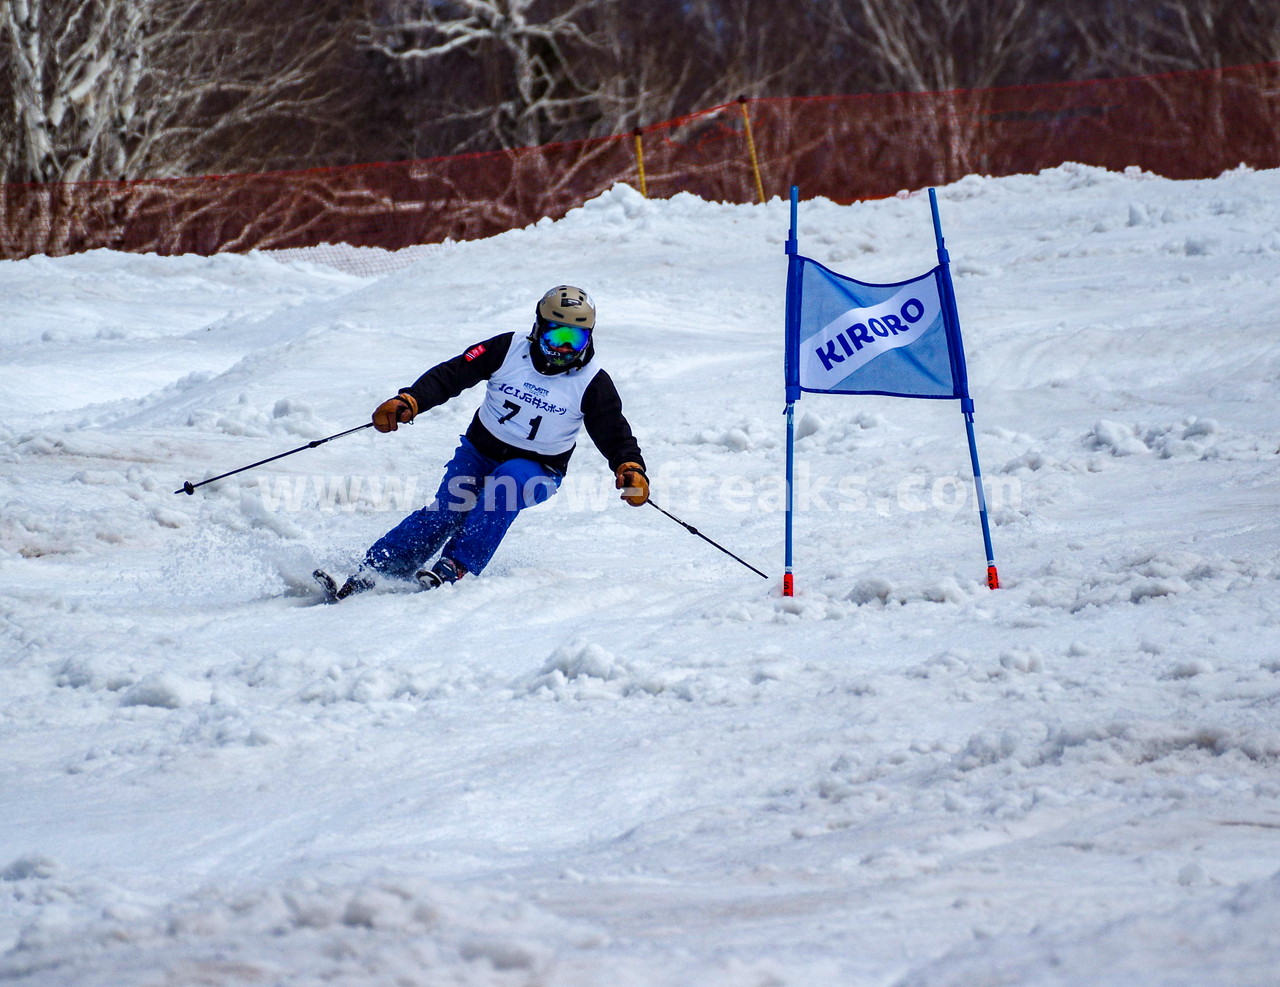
<point>541,390</point>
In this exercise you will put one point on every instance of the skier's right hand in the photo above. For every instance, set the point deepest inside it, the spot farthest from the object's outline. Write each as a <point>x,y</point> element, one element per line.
<point>393,412</point>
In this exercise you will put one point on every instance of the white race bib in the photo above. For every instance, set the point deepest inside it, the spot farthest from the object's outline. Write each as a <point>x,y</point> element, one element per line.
<point>531,411</point>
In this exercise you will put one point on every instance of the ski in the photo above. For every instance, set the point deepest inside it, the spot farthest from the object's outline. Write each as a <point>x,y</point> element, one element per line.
<point>333,593</point>
<point>328,585</point>
<point>444,573</point>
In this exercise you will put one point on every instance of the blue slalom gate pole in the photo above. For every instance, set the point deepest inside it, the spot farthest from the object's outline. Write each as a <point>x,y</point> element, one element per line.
<point>960,375</point>
<point>792,370</point>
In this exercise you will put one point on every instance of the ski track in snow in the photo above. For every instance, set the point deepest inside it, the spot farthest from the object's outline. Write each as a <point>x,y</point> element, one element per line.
<point>619,757</point>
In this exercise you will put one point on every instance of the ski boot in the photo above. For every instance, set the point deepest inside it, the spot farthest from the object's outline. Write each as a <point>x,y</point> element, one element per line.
<point>444,571</point>
<point>356,583</point>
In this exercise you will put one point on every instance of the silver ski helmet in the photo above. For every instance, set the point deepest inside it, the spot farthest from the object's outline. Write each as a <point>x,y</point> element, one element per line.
<point>562,325</point>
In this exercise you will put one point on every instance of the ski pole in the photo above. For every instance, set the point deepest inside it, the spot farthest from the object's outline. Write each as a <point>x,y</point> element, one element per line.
<point>692,530</point>
<point>190,488</point>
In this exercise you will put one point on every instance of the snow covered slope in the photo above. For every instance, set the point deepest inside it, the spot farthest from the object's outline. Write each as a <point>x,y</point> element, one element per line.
<point>619,757</point>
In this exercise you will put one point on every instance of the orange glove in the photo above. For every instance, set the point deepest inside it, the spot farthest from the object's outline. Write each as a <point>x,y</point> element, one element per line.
<point>393,412</point>
<point>633,483</point>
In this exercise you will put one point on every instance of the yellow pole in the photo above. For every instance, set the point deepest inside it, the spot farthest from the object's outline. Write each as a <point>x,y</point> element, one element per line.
<point>644,186</point>
<point>751,146</point>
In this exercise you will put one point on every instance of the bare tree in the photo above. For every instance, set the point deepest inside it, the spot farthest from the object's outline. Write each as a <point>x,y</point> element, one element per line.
<point>749,48</point>
<point>647,59</point>
<point>504,72</point>
<point>474,74</point>
<point>1176,35</point>
<point>940,45</point>
<point>153,88</point>
<point>149,88</point>
<point>73,73</point>
<point>245,85</point>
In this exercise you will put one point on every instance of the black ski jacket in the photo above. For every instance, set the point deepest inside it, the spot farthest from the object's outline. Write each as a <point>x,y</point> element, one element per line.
<point>601,407</point>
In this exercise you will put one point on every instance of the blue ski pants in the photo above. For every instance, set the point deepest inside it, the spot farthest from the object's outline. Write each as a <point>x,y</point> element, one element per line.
<point>478,499</point>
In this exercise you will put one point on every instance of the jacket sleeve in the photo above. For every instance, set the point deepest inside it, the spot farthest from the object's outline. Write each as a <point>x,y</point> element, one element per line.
<point>449,379</point>
<point>609,430</point>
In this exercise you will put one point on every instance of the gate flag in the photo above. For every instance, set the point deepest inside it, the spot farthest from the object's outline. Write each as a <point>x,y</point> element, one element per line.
<point>845,336</point>
<point>860,338</point>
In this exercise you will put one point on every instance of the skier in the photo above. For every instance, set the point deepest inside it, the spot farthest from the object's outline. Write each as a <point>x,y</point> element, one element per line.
<point>541,390</point>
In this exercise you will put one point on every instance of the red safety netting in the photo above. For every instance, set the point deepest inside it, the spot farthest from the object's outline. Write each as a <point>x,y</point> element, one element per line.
<point>1190,125</point>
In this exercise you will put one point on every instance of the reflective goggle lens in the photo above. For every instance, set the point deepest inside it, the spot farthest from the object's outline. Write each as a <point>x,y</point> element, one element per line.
<point>559,335</point>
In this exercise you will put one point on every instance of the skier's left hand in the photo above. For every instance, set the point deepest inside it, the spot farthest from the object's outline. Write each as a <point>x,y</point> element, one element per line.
<point>633,483</point>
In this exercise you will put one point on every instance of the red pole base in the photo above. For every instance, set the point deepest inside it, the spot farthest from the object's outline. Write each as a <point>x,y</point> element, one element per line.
<point>788,587</point>
<point>993,578</point>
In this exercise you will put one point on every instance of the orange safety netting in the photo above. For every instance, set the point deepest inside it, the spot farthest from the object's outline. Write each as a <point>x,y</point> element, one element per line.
<point>1190,125</point>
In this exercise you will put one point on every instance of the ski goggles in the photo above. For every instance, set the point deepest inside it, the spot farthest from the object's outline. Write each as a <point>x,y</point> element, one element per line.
<point>558,335</point>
